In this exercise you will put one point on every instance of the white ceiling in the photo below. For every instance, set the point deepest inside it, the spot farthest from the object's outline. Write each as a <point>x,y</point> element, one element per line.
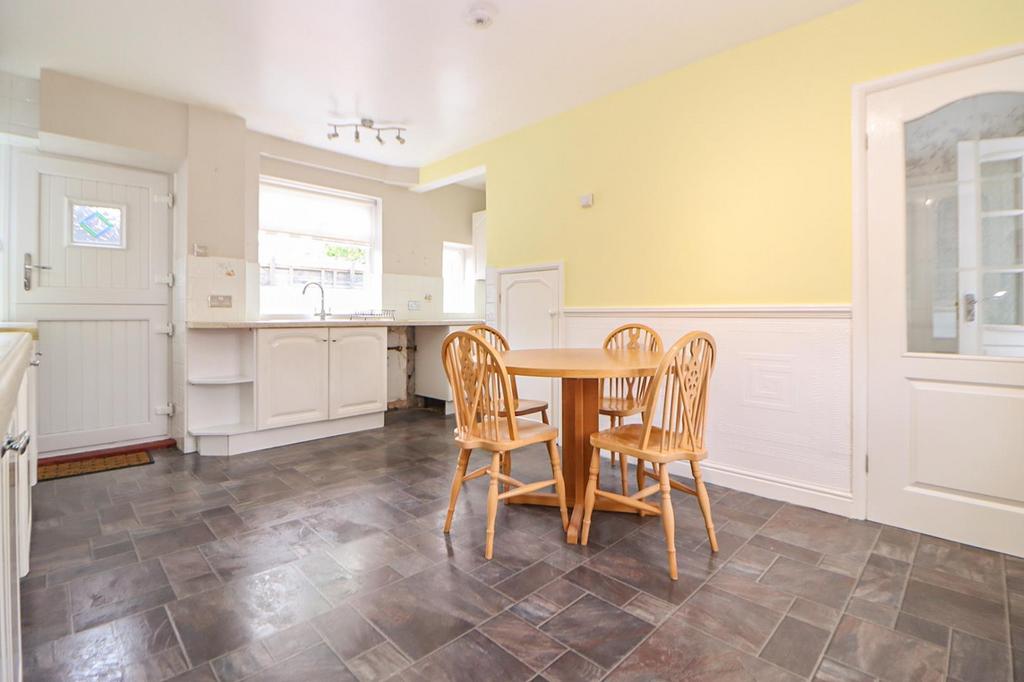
<point>288,67</point>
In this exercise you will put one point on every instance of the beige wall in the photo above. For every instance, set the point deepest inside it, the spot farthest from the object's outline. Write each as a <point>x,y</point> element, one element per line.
<point>87,110</point>
<point>224,161</point>
<point>414,224</point>
<point>216,182</point>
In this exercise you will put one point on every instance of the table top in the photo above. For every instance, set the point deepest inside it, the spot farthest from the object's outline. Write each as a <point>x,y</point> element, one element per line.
<point>581,363</point>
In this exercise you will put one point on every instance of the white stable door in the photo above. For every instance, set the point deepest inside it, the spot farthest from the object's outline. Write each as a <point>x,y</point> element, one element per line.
<point>291,376</point>
<point>944,253</point>
<point>529,315</point>
<point>358,371</point>
<point>89,263</point>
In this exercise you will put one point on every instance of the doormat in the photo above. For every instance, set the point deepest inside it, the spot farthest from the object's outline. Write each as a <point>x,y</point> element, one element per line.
<point>93,465</point>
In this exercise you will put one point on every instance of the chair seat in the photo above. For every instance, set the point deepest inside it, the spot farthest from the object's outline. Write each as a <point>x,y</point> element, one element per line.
<point>530,432</point>
<point>626,439</point>
<point>619,407</point>
<point>524,406</point>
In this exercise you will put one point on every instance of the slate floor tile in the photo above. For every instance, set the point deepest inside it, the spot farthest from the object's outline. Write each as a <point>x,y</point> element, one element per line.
<point>973,658</point>
<point>809,582</point>
<point>379,663</point>
<point>882,652</point>
<point>348,633</point>
<point>461,660</point>
<point>597,630</point>
<point>217,621</point>
<point>737,622</point>
<point>796,646</point>
<point>431,608</point>
<point>676,651</point>
<point>525,642</point>
<point>955,609</point>
<point>571,667</point>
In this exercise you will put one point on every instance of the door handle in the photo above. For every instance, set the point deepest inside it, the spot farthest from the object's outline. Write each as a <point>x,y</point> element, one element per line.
<point>18,443</point>
<point>27,271</point>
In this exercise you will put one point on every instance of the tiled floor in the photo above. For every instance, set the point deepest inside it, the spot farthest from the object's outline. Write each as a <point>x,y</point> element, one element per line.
<point>325,561</point>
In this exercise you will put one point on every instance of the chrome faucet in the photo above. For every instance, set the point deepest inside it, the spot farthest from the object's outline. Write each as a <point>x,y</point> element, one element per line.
<point>323,311</point>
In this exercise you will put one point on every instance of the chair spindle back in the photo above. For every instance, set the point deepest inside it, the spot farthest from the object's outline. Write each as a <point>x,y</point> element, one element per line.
<point>500,343</point>
<point>682,380</point>
<point>630,337</point>
<point>481,387</point>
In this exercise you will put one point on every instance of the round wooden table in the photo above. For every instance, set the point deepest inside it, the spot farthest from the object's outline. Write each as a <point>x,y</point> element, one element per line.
<point>580,370</point>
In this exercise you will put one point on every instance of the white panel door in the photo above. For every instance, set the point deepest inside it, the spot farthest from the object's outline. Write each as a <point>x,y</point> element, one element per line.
<point>91,249</point>
<point>945,418</point>
<point>529,314</point>
<point>358,371</point>
<point>291,376</point>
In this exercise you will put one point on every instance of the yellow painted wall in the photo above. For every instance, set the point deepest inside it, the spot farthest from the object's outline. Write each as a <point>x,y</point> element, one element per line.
<point>738,188</point>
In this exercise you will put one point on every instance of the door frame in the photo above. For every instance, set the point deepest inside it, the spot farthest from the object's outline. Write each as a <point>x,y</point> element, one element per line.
<point>859,308</point>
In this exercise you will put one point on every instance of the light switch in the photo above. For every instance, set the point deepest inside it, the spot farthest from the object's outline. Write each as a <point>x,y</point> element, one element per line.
<point>220,301</point>
<point>414,305</point>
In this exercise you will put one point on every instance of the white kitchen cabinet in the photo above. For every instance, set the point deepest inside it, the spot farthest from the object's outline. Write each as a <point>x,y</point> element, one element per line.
<point>358,371</point>
<point>291,376</point>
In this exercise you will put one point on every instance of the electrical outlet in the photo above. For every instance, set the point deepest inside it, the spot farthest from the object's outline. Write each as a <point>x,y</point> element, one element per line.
<point>219,301</point>
<point>414,305</point>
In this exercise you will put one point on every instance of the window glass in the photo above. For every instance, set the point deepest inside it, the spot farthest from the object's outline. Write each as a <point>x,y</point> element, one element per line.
<point>97,225</point>
<point>458,280</point>
<point>310,234</point>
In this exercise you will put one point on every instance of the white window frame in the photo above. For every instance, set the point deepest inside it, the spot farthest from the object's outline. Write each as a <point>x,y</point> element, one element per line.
<point>374,271</point>
<point>466,300</point>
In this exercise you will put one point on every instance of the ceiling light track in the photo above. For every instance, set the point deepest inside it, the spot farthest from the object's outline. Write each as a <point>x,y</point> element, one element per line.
<point>366,124</point>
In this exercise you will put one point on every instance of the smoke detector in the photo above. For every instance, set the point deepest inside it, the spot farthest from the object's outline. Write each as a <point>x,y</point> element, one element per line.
<point>480,15</point>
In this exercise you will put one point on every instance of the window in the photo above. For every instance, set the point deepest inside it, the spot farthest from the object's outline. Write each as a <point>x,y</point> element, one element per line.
<point>97,225</point>
<point>313,234</point>
<point>457,273</point>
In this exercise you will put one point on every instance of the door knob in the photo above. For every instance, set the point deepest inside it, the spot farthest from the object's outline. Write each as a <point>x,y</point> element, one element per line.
<point>27,271</point>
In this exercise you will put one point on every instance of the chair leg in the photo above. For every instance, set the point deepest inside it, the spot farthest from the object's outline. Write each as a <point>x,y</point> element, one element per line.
<point>641,477</point>
<point>611,455</point>
<point>623,472</point>
<point>668,520</point>
<point>506,468</point>
<point>492,505</point>
<point>460,473</point>
<point>588,502</point>
<point>544,416</point>
<point>705,504</point>
<point>556,473</point>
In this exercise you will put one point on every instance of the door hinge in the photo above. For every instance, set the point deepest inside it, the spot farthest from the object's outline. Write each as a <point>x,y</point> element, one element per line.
<point>166,329</point>
<point>167,409</point>
<point>866,463</point>
<point>164,199</point>
<point>867,142</point>
<point>167,279</point>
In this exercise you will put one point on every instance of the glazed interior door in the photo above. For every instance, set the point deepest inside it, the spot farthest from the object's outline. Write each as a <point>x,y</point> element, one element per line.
<point>529,309</point>
<point>945,264</point>
<point>90,264</point>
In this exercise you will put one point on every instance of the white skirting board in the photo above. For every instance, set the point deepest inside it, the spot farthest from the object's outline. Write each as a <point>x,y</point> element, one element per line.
<point>779,416</point>
<point>250,441</point>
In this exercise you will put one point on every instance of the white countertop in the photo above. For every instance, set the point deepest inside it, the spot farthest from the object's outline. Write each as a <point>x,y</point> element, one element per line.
<point>15,352</point>
<point>312,322</point>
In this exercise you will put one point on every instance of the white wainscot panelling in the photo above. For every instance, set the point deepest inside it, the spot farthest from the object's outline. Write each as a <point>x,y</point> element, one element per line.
<point>779,417</point>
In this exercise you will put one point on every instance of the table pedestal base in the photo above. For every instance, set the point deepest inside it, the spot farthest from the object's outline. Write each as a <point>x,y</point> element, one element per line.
<point>580,403</point>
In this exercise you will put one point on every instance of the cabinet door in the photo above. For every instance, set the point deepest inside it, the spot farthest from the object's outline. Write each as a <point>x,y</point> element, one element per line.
<point>291,376</point>
<point>359,371</point>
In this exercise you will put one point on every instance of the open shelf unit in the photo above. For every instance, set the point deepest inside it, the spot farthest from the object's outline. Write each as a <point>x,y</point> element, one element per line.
<point>221,396</point>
